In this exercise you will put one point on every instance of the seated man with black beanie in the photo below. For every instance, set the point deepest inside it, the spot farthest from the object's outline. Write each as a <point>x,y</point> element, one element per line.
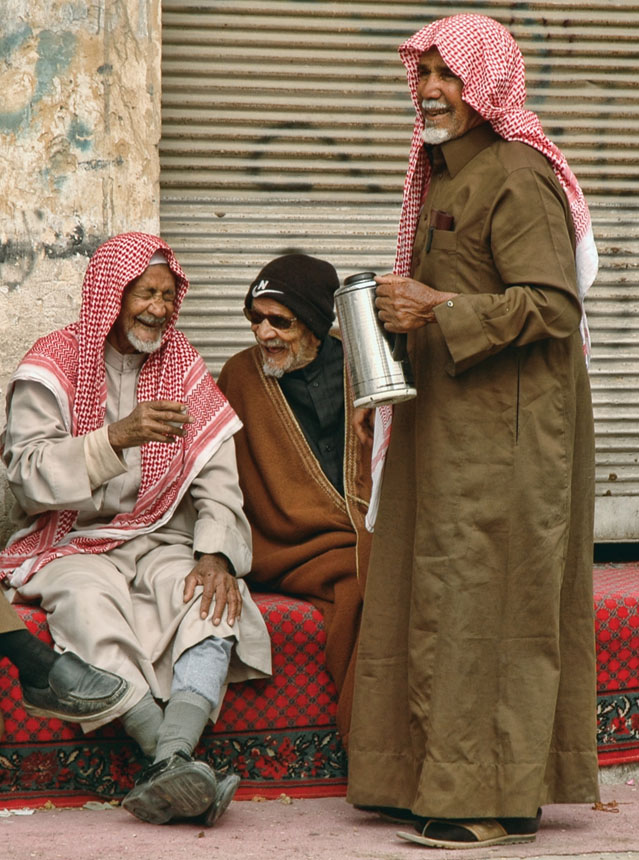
<point>304,475</point>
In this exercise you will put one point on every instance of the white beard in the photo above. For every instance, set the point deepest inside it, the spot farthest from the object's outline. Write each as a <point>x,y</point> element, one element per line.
<point>305,355</point>
<point>147,346</point>
<point>272,370</point>
<point>270,367</point>
<point>434,136</point>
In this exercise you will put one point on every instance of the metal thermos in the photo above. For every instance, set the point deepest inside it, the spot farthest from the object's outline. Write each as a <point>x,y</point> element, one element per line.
<point>377,376</point>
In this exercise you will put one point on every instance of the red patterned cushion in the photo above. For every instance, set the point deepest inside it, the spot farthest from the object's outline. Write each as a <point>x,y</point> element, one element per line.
<point>277,734</point>
<point>616,592</point>
<point>300,694</point>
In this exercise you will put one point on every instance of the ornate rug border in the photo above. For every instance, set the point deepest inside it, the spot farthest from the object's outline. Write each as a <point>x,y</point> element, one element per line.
<point>299,763</point>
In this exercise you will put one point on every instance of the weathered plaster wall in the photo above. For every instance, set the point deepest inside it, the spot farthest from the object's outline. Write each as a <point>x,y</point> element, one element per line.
<point>79,133</point>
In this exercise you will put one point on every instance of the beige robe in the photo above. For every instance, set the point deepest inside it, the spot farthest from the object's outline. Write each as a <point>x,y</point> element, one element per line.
<point>123,610</point>
<point>475,685</point>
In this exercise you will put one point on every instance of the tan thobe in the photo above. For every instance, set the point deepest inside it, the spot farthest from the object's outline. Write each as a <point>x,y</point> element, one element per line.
<point>475,685</point>
<point>123,610</point>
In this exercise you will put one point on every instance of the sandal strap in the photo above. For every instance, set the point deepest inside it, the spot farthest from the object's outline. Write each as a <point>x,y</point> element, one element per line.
<point>483,830</point>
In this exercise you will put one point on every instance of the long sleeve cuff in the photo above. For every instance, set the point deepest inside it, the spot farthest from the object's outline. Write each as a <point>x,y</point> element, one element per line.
<point>210,537</point>
<point>463,332</point>
<point>101,460</point>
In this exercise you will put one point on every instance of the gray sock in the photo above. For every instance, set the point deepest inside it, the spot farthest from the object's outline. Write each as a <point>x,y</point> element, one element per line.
<point>185,717</point>
<point>142,722</point>
<point>198,677</point>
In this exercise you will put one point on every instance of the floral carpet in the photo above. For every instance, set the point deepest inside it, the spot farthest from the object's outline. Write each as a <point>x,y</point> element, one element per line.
<point>278,734</point>
<point>616,591</point>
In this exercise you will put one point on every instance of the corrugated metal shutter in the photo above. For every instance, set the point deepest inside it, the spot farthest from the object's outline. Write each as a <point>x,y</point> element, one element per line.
<point>286,126</point>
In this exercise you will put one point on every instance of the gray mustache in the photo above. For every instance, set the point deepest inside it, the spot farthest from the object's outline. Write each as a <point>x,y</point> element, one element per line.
<point>275,342</point>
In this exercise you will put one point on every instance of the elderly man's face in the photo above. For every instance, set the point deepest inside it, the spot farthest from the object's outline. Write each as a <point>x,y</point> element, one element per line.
<point>147,306</point>
<point>282,349</point>
<point>446,115</point>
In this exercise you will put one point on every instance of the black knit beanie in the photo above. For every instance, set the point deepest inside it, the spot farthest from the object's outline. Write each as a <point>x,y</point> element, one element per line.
<point>303,284</point>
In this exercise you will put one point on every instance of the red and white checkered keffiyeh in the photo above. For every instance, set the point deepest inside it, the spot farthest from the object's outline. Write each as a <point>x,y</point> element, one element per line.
<point>70,362</point>
<point>483,54</point>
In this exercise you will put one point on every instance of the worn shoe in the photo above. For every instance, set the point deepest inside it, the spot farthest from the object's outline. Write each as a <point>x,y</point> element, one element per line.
<point>77,691</point>
<point>176,787</point>
<point>227,785</point>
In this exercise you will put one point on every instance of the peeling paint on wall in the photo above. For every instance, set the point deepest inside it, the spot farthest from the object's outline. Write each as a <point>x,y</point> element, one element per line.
<point>79,134</point>
<point>52,53</point>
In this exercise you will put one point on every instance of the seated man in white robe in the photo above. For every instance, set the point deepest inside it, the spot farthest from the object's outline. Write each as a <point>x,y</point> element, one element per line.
<point>120,453</point>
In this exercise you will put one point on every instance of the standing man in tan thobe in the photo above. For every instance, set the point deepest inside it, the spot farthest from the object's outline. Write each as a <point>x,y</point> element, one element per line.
<point>475,684</point>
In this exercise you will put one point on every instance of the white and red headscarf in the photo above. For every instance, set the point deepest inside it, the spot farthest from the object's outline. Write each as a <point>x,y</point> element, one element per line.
<point>70,362</point>
<point>483,54</point>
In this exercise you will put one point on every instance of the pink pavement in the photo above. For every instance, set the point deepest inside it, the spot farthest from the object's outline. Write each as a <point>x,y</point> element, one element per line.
<point>319,829</point>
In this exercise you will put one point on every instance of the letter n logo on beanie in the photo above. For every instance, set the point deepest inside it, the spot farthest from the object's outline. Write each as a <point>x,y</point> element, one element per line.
<point>263,287</point>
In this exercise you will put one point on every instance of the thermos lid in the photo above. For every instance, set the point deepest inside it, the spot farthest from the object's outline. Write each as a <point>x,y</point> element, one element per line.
<point>360,277</point>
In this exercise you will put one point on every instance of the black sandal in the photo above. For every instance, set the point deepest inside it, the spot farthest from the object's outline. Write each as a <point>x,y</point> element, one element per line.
<point>456,833</point>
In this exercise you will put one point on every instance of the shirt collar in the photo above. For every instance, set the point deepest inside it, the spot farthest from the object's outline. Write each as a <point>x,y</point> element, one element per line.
<point>459,151</point>
<point>123,361</point>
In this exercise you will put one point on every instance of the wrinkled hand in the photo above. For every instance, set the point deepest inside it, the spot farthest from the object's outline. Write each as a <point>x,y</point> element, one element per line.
<point>363,424</point>
<point>404,304</point>
<point>211,572</point>
<point>151,421</point>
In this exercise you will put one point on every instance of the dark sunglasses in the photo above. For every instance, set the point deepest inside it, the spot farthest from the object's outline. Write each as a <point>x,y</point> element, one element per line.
<point>275,320</point>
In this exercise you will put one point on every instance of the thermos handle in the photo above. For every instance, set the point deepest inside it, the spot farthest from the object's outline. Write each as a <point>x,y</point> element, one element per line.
<point>397,342</point>
<point>398,347</point>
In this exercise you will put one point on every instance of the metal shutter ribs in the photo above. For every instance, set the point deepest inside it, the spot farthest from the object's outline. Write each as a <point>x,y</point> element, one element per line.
<point>286,125</point>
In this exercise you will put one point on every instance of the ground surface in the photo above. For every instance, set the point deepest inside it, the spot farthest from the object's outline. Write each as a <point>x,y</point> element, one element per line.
<point>324,829</point>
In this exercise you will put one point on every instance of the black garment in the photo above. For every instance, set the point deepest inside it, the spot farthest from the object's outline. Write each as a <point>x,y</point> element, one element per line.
<point>315,393</point>
<point>33,658</point>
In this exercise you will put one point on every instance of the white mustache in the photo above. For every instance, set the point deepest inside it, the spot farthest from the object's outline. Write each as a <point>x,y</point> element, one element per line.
<point>433,104</point>
<point>149,320</point>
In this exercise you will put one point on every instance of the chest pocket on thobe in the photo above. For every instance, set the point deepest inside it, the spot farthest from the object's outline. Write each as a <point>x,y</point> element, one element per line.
<point>435,257</point>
